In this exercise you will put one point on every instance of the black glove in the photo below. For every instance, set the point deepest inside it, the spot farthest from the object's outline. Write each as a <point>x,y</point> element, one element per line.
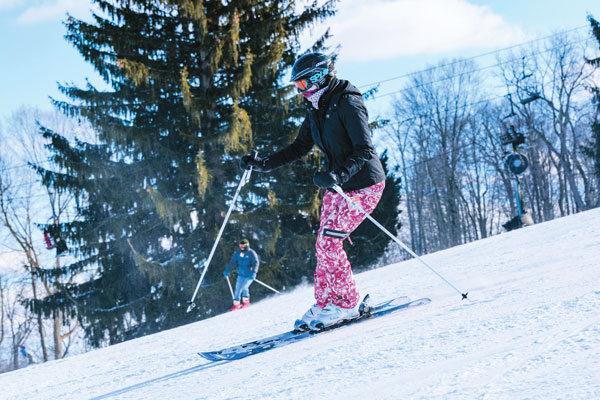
<point>257,164</point>
<point>326,179</point>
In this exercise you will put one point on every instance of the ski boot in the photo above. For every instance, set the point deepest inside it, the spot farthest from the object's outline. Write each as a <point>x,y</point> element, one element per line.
<point>236,305</point>
<point>303,324</point>
<point>333,315</point>
<point>245,302</point>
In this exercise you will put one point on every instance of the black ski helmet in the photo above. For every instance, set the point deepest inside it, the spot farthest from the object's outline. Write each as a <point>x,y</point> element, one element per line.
<point>245,244</point>
<point>317,68</point>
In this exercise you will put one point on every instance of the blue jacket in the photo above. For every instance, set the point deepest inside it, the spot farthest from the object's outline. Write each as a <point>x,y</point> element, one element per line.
<point>247,263</point>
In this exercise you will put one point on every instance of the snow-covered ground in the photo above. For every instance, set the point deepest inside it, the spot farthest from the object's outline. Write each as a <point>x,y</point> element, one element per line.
<point>531,332</point>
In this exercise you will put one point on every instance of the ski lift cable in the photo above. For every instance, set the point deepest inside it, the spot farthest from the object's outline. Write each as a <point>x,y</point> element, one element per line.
<point>375,96</point>
<point>448,109</point>
<point>474,57</point>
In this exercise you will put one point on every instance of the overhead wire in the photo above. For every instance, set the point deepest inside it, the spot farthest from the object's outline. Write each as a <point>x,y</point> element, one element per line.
<point>408,74</point>
<point>446,78</point>
<point>447,109</point>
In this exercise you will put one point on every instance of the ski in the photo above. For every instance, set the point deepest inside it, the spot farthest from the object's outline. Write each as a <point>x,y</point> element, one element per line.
<point>286,338</point>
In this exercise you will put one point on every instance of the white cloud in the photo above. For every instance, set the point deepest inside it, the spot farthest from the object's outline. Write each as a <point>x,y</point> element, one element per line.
<point>5,4</point>
<point>383,29</point>
<point>53,9</point>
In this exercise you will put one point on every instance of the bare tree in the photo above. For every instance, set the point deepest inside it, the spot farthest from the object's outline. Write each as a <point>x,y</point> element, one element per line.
<point>19,319</point>
<point>432,129</point>
<point>452,155</point>
<point>16,216</point>
<point>2,315</point>
<point>551,101</point>
<point>26,204</point>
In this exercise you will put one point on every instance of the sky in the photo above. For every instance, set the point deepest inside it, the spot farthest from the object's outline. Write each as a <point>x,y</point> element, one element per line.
<point>379,39</point>
<point>531,331</point>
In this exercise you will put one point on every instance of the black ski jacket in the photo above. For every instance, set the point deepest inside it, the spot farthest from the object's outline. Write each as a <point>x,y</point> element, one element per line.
<point>340,130</point>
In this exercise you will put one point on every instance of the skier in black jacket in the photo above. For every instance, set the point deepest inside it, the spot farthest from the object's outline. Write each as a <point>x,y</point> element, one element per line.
<point>337,123</point>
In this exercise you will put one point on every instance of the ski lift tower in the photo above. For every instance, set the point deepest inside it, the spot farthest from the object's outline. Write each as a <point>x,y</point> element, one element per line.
<point>516,162</point>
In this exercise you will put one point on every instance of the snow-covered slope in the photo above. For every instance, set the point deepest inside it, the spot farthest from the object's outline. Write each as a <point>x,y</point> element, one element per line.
<point>532,331</point>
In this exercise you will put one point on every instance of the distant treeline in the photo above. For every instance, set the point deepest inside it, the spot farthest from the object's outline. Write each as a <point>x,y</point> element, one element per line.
<point>450,129</point>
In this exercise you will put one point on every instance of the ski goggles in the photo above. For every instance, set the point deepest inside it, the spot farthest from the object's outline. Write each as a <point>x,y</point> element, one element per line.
<point>301,85</point>
<point>304,84</point>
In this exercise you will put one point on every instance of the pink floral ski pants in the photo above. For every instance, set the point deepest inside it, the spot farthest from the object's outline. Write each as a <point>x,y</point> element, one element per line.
<point>334,282</point>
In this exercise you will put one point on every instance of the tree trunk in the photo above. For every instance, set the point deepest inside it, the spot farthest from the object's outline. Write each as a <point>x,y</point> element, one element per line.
<point>40,321</point>
<point>15,356</point>
<point>57,337</point>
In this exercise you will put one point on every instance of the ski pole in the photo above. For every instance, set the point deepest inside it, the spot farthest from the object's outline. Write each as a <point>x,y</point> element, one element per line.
<point>267,286</point>
<point>243,181</point>
<point>230,289</point>
<point>395,239</point>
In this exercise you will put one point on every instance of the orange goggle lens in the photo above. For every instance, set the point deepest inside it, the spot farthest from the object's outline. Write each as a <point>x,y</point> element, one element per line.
<point>302,85</point>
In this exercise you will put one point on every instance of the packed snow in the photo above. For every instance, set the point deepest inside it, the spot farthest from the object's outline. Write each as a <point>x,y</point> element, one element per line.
<point>532,330</point>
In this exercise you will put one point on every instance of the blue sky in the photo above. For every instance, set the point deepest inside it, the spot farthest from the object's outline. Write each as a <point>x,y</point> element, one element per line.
<point>379,39</point>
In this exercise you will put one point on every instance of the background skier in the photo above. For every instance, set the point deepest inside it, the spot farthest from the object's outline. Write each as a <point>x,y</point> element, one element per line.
<point>337,123</point>
<point>246,261</point>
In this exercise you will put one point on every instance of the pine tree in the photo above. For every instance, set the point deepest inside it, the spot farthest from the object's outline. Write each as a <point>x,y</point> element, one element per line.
<point>593,150</point>
<point>371,241</point>
<point>195,84</point>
